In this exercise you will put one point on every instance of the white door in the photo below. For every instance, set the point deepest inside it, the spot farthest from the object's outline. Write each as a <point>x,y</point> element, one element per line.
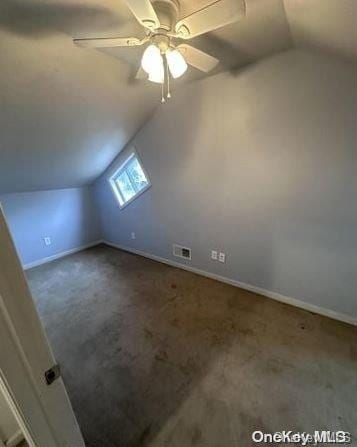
<point>25,356</point>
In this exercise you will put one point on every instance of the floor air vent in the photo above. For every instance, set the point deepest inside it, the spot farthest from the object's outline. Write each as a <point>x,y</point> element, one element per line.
<point>181,252</point>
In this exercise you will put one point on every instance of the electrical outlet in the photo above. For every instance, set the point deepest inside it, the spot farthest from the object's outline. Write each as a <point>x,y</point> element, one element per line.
<point>222,257</point>
<point>47,240</point>
<point>214,255</point>
<point>133,236</point>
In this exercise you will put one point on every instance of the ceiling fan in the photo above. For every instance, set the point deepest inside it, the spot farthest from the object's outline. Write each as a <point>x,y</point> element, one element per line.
<point>165,56</point>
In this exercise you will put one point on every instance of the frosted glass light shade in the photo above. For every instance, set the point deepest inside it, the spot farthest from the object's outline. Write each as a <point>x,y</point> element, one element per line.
<point>153,64</point>
<point>151,59</point>
<point>176,63</point>
<point>157,75</point>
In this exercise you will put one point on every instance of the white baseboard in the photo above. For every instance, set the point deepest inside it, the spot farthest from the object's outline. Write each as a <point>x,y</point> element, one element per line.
<point>30,265</point>
<point>267,293</point>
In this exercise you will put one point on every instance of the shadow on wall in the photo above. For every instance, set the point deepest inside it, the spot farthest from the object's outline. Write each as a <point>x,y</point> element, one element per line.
<point>230,57</point>
<point>37,19</point>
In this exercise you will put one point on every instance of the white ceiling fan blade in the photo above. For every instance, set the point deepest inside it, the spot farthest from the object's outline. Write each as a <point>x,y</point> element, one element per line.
<point>219,13</point>
<point>197,58</point>
<point>144,13</point>
<point>106,42</point>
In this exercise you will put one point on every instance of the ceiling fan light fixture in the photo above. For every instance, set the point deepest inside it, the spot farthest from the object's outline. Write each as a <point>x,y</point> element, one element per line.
<point>163,25</point>
<point>176,63</point>
<point>157,75</point>
<point>152,59</point>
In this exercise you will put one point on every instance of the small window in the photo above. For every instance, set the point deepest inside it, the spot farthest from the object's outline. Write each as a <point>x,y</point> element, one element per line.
<point>129,181</point>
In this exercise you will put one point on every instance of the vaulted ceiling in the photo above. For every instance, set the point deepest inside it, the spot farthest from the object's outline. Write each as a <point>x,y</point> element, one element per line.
<point>66,112</point>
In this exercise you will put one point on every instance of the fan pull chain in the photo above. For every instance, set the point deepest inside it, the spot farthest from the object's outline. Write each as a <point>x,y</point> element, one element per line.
<point>164,81</point>
<point>162,92</point>
<point>165,86</point>
<point>168,80</point>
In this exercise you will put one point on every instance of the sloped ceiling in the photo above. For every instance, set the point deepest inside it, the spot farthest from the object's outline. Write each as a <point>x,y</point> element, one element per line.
<point>66,112</point>
<point>325,25</point>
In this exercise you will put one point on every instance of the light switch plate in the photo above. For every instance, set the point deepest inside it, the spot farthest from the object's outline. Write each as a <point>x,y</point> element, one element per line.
<point>133,235</point>
<point>222,257</point>
<point>214,255</point>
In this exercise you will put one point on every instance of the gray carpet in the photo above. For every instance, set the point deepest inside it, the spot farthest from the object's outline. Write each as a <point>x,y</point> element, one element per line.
<point>152,355</point>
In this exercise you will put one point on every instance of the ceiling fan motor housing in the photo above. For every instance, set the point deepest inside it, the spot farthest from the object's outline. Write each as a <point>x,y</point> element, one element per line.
<point>162,41</point>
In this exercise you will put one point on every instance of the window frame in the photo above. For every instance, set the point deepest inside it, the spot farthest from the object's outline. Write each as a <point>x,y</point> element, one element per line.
<point>118,171</point>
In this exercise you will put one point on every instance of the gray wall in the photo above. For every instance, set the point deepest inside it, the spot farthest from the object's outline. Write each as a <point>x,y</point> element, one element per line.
<point>67,216</point>
<point>261,165</point>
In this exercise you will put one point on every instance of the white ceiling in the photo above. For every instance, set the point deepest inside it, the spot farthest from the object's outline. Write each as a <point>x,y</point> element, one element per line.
<point>66,112</point>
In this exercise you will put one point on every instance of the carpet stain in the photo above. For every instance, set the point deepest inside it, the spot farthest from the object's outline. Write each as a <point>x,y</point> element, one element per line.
<point>162,356</point>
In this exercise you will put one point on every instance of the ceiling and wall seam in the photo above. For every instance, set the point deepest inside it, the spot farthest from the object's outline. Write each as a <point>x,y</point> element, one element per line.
<point>292,40</point>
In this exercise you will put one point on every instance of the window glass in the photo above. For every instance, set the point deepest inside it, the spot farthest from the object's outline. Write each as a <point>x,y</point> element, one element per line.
<point>136,174</point>
<point>125,186</point>
<point>129,180</point>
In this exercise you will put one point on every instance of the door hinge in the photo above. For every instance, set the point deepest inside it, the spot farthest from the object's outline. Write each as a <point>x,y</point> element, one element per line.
<point>52,374</point>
